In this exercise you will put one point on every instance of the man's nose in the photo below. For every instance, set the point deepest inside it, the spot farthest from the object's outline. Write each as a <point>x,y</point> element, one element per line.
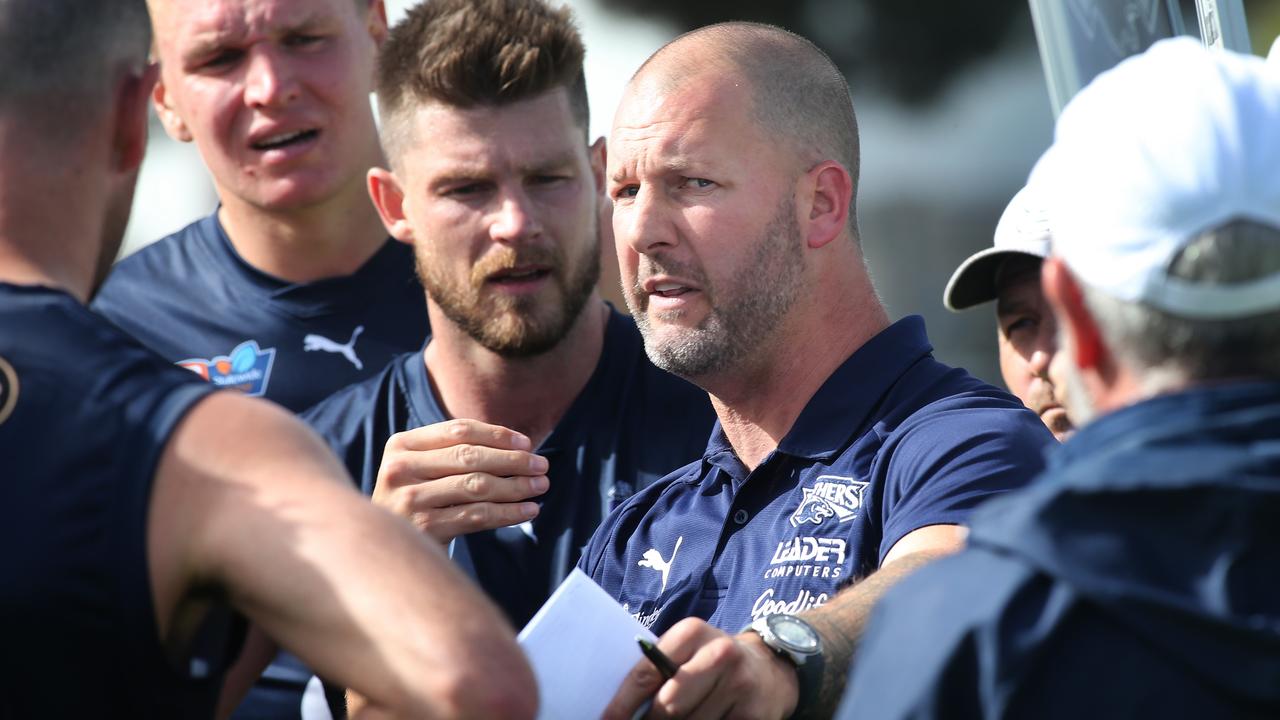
<point>514,220</point>
<point>1045,348</point>
<point>269,81</point>
<point>643,224</point>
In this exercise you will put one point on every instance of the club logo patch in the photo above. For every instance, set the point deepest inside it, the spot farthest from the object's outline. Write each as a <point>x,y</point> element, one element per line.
<point>247,368</point>
<point>8,390</point>
<point>831,496</point>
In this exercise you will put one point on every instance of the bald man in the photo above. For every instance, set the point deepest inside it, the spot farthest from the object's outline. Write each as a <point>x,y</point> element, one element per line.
<point>845,456</point>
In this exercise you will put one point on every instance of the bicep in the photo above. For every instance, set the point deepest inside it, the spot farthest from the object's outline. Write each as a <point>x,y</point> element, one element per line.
<point>932,539</point>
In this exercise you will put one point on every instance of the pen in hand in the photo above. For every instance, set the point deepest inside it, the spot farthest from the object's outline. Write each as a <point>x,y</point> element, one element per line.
<point>665,666</point>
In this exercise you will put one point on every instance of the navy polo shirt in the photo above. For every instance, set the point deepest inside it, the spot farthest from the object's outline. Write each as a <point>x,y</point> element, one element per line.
<point>628,427</point>
<point>893,441</point>
<point>191,298</point>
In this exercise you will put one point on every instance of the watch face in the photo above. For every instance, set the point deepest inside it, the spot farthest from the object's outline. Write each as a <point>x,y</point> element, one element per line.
<point>794,632</point>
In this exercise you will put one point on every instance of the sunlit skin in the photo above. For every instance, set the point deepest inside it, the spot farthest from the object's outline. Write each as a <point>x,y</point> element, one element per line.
<point>501,205</point>
<point>1027,343</point>
<point>274,93</point>
<point>688,202</point>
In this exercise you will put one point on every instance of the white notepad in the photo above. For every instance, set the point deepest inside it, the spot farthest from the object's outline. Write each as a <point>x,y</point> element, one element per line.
<point>581,645</point>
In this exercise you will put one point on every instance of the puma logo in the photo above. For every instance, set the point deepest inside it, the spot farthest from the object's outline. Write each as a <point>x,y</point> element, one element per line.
<point>348,351</point>
<point>653,560</point>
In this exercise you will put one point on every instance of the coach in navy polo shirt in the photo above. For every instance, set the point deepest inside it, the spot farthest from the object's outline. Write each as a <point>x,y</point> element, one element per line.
<point>494,184</point>
<point>1138,578</point>
<point>844,452</point>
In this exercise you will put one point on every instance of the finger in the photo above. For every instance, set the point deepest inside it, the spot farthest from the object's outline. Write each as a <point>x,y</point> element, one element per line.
<point>699,685</point>
<point>400,467</point>
<point>472,488</point>
<point>448,523</point>
<point>459,432</point>
<point>637,687</point>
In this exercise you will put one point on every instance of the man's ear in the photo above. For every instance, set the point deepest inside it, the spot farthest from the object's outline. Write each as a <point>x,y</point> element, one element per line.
<point>377,21</point>
<point>825,193</point>
<point>173,123</point>
<point>599,160</point>
<point>1063,293</point>
<point>388,198</point>
<point>129,140</point>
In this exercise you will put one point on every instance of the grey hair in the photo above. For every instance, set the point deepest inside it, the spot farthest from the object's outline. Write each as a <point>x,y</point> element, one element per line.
<point>56,53</point>
<point>1168,351</point>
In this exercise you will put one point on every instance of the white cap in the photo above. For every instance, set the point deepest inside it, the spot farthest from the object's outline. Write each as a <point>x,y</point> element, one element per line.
<point>1023,229</point>
<point>1169,144</point>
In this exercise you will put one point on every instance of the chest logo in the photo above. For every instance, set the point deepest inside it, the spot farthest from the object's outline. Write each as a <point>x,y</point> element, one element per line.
<point>653,560</point>
<point>247,368</point>
<point>347,350</point>
<point>831,496</point>
<point>8,389</point>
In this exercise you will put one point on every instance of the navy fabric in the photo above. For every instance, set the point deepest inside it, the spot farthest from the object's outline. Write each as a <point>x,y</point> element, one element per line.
<point>85,413</point>
<point>1135,579</point>
<point>191,298</point>
<point>893,441</point>
<point>628,427</point>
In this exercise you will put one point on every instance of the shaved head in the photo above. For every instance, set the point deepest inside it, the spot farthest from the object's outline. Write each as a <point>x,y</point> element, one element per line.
<point>798,95</point>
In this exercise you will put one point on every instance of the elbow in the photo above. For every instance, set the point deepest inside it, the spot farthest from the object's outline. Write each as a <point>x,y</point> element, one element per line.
<point>501,688</point>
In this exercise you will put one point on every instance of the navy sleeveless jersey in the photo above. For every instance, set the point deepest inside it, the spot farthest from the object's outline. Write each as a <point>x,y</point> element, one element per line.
<point>628,427</point>
<point>85,413</point>
<point>191,298</point>
<point>893,441</point>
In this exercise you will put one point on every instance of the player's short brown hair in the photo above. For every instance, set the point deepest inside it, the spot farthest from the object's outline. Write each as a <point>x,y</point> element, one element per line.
<point>469,53</point>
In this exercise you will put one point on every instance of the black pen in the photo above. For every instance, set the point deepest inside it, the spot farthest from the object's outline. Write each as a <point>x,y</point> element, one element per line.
<point>659,659</point>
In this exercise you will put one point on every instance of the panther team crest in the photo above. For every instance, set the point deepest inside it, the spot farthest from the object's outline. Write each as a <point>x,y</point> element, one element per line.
<point>830,496</point>
<point>8,389</point>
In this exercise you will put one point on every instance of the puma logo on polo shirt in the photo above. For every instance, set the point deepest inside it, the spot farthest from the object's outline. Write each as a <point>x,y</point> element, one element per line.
<point>653,560</point>
<point>347,350</point>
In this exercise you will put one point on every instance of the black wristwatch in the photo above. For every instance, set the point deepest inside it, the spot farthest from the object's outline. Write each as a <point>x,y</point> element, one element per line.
<point>795,641</point>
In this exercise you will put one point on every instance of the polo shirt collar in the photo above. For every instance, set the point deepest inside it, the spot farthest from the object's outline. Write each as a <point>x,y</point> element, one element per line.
<point>841,408</point>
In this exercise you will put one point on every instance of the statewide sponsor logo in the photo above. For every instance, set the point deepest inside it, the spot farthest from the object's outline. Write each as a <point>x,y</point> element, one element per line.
<point>8,390</point>
<point>347,350</point>
<point>247,368</point>
<point>765,604</point>
<point>831,496</point>
<point>645,619</point>
<point>808,557</point>
<point>653,560</point>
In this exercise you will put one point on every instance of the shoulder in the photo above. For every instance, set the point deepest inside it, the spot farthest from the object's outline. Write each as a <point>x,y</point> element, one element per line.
<point>174,261</point>
<point>946,416</point>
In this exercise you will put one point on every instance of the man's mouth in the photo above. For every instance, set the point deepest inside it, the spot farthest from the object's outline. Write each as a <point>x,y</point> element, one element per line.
<point>283,140</point>
<point>670,290</point>
<point>523,274</point>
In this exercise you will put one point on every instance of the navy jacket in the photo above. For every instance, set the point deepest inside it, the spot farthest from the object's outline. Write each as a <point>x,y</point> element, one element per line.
<point>1137,578</point>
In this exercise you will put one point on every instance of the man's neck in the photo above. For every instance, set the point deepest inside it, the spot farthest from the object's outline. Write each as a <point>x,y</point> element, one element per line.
<point>331,239</point>
<point>42,242</point>
<point>529,395</point>
<point>759,404</point>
